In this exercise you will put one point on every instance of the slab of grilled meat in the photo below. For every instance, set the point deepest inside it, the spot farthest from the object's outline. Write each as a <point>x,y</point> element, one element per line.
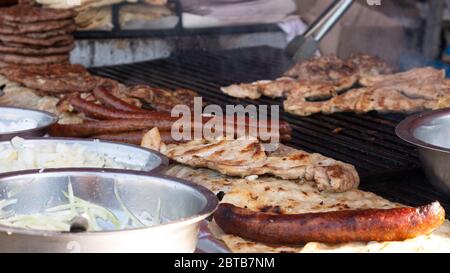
<point>52,78</point>
<point>319,77</point>
<point>412,91</point>
<point>163,100</point>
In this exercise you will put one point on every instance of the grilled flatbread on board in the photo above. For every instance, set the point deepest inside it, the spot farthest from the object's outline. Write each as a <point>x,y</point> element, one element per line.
<point>268,193</point>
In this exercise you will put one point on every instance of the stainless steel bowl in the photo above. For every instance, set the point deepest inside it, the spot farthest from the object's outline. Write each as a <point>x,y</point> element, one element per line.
<point>184,206</point>
<point>44,120</point>
<point>430,132</point>
<point>129,155</point>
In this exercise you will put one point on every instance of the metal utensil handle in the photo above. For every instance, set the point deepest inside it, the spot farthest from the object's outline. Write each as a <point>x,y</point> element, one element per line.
<point>328,19</point>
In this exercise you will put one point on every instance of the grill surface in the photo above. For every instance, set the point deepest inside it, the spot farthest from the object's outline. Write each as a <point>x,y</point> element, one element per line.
<point>387,165</point>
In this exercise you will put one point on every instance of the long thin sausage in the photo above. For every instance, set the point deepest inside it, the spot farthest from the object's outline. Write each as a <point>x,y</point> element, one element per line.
<point>90,128</point>
<point>105,96</point>
<point>381,225</point>
<point>103,113</point>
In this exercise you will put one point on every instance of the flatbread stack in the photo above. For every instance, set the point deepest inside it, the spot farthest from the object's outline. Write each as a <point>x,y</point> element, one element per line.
<point>98,18</point>
<point>30,34</point>
<point>143,16</point>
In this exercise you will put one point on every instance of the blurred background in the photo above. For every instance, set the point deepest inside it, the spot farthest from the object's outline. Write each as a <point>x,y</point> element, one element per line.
<point>404,32</point>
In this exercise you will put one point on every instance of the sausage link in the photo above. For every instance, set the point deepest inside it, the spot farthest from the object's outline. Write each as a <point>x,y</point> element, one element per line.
<point>90,128</point>
<point>103,95</point>
<point>101,112</point>
<point>381,225</point>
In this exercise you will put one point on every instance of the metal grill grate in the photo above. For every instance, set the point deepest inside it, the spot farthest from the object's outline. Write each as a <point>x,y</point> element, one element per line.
<point>366,141</point>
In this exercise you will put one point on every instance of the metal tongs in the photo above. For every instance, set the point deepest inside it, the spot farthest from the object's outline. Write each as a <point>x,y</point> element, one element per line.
<point>304,47</point>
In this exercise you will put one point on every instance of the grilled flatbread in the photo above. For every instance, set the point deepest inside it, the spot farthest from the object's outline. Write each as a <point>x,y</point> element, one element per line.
<point>247,157</point>
<point>141,15</point>
<point>99,18</point>
<point>209,179</point>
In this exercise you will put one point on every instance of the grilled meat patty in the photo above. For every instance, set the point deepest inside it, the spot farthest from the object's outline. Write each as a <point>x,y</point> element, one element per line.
<point>36,51</point>
<point>52,78</point>
<point>33,14</point>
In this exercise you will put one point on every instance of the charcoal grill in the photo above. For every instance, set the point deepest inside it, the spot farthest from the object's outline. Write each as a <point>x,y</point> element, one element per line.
<point>387,165</point>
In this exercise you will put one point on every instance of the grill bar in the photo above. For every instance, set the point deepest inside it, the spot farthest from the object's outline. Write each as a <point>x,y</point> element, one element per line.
<point>388,166</point>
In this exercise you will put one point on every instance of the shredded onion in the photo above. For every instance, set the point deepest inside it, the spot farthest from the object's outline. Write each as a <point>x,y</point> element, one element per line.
<point>59,218</point>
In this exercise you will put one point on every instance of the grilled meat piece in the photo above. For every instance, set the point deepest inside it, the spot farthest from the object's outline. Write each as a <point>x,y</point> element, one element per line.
<point>24,60</point>
<point>367,65</point>
<point>162,99</point>
<point>416,90</point>
<point>416,75</point>
<point>246,157</point>
<point>36,51</point>
<point>281,86</point>
<point>321,68</point>
<point>319,77</point>
<point>42,42</point>
<point>33,14</point>
<point>52,78</point>
<point>21,28</point>
<point>361,100</point>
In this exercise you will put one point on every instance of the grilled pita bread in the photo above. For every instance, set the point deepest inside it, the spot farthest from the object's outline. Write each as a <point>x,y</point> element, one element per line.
<point>99,18</point>
<point>247,157</point>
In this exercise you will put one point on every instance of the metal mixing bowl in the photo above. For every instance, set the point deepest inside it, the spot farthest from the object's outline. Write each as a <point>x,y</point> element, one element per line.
<point>44,120</point>
<point>128,155</point>
<point>183,206</point>
<point>430,132</point>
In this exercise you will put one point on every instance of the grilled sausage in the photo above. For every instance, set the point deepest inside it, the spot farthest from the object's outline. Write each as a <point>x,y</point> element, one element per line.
<point>102,94</point>
<point>101,112</point>
<point>381,225</point>
<point>90,128</point>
